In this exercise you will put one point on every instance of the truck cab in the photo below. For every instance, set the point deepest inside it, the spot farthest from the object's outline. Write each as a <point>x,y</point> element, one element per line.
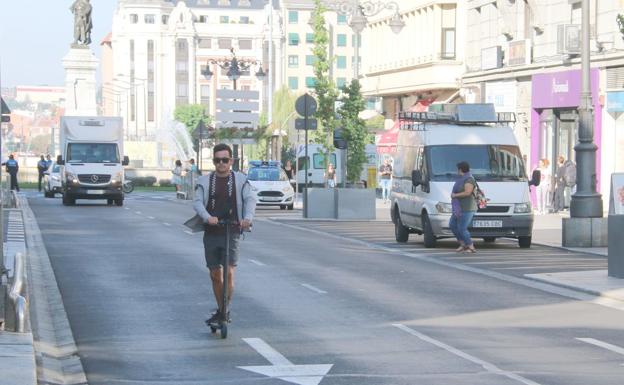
<point>92,159</point>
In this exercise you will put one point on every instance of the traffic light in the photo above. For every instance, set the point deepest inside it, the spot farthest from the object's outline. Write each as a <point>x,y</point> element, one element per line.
<point>339,140</point>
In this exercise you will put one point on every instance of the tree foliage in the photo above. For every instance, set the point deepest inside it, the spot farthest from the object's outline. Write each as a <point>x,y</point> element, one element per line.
<point>190,115</point>
<point>324,86</point>
<point>355,131</point>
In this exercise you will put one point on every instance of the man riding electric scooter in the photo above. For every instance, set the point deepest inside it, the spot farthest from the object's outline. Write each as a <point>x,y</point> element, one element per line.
<point>223,198</point>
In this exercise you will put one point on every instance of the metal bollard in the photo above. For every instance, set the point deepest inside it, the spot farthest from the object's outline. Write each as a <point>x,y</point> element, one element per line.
<point>16,309</point>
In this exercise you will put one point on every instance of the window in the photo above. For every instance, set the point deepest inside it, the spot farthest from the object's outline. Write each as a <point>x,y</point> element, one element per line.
<point>181,66</point>
<point>359,61</point>
<point>149,19</point>
<point>225,2</point>
<point>353,39</point>
<point>341,40</point>
<point>243,19</point>
<point>225,43</point>
<point>342,19</point>
<point>293,61</point>
<point>340,82</point>
<point>293,17</point>
<point>310,59</point>
<point>448,43</point>
<point>205,43</point>
<point>293,39</point>
<point>318,160</point>
<point>309,38</point>
<point>165,19</point>
<point>205,97</point>
<point>150,80</point>
<point>134,18</point>
<point>182,90</point>
<point>203,19</point>
<point>224,19</point>
<point>341,62</point>
<point>244,3</point>
<point>293,83</point>
<point>310,82</point>
<point>244,43</point>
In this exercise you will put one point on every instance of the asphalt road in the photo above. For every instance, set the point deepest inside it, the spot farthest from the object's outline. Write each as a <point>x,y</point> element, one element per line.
<point>136,292</point>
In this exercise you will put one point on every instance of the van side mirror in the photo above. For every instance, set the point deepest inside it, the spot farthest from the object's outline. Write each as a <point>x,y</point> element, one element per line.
<point>536,178</point>
<point>416,178</point>
<point>125,161</point>
<point>59,160</point>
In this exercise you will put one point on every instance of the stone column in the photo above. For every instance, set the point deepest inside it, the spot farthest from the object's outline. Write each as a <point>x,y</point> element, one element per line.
<point>80,82</point>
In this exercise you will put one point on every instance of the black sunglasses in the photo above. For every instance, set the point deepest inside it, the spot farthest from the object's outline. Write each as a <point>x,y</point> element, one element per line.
<point>220,160</point>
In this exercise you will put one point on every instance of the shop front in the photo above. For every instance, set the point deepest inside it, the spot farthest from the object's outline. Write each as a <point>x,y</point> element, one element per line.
<point>554,117</point>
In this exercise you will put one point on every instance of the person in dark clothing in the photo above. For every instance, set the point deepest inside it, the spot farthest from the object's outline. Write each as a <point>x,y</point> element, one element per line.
<point>42,166</point>
<point>12,167</point>
<point>559,193</point>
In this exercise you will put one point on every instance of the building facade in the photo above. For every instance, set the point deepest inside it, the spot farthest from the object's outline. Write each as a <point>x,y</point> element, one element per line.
<point>298,58</point>
<point>420,65</point>
<point>524,56</point>
<point>161,49</point>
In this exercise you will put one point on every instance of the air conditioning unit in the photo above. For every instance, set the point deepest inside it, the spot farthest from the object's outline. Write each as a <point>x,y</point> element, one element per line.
<point>569,39</point>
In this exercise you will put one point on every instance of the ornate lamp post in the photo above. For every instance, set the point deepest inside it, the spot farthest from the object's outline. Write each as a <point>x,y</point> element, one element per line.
<point>235,67</point>
<point>360,11</point>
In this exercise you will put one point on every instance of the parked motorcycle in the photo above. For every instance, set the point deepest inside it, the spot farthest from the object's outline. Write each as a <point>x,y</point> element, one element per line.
<point>128,186</point>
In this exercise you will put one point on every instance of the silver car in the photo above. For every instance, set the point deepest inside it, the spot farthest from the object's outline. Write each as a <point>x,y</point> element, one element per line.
<point>52,181</point>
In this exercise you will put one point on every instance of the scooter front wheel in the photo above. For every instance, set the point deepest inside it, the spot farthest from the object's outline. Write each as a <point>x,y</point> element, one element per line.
<point>224,331</point>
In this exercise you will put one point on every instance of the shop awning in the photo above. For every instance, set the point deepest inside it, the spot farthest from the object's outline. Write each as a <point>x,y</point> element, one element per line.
<point>387,140</point>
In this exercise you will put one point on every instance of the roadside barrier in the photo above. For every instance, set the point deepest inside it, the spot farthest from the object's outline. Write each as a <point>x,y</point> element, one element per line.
<point>188,186</point>
<point>16,305</point>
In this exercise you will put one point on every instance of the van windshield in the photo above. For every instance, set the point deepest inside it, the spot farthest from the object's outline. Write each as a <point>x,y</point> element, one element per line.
<point>92,153</point>
<point>487,162</point>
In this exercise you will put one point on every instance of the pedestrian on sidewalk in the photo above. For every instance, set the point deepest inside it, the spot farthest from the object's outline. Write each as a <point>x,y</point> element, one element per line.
<point>12,167</point>
<point>545,186</point>
<point>42,167</point>
<point>176,179</point>
<point>559,188</point>
<point>330,176</point>
<point>385,179</point>
<point>223,194</point>
<point>464,206</point>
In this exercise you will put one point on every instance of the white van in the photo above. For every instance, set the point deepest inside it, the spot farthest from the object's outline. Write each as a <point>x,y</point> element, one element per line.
<point>316,168</point>
<point>428,149</point>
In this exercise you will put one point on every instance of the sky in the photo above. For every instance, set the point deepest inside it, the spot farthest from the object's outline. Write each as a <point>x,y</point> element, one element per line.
<point>35,35</point>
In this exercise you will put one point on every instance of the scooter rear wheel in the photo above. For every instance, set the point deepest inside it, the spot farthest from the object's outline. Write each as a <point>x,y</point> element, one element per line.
<point>224,331</point>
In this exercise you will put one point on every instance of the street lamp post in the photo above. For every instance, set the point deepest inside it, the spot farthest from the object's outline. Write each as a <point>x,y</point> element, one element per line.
<point>235,67</point>
<point>136,82</point>
<point>586,201</point>
<point>359,11</point>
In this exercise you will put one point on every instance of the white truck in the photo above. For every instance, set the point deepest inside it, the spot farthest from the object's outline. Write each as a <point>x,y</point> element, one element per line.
<point>91,156</point>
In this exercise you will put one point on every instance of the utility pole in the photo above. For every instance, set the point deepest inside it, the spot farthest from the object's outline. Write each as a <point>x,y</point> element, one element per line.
<point>586,201</point>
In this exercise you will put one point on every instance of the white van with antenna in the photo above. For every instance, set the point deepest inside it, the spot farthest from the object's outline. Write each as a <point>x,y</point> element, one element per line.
<point>429,146</point>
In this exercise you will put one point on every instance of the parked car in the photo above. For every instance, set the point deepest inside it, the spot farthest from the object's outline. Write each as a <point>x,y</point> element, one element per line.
<point>429,147</point>
<point>271,185</point>
<point>52,181</point>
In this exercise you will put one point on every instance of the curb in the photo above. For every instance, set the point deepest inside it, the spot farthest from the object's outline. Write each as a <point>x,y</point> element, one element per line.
<point>56,353</point>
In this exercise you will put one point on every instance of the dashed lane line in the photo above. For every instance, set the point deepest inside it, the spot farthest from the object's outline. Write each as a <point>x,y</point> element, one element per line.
<point>604,345</point>
<point>257,262</point>
<point>313,288</point>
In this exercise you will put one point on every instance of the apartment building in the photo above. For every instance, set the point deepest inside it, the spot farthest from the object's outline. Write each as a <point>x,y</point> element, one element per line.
<point>524,56</point>
<point>161,49</point>
<point>420,65</point>
<point>298,59</point>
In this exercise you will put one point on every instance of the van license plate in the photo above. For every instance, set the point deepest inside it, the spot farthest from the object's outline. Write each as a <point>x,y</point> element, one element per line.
<point>95,192</point>
<point>487,223</point>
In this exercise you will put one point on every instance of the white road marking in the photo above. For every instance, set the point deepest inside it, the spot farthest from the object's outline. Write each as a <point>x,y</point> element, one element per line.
<point>166,224</point>
<point>316,289</point>
<point>151,218</point>
<point>126,208</point>
<point>604,345</point>
<point>137,212</point>
<point>486,365</point>
<point>256,262</point>
<point>282,368</point>
<point>188,232</point>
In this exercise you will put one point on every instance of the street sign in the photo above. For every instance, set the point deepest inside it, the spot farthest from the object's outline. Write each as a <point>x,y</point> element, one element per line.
<point>237,109</point>
<point>306,103</point>
<point>300,124</point>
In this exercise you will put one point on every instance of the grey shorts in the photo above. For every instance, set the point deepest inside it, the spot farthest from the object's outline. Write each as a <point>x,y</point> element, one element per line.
<point>214,250</point>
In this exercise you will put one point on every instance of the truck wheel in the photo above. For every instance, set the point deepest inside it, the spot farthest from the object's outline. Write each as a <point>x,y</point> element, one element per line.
<point>428,237</point>
<point>67,200</point>
<point>524,242</point>
<point>401,233</point>
<point>119,202</point>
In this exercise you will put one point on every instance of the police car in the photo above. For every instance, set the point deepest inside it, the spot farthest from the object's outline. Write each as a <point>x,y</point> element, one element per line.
<point>271,185</point>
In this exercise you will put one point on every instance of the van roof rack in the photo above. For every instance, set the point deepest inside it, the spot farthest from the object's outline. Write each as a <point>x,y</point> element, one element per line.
<point>460,114</point>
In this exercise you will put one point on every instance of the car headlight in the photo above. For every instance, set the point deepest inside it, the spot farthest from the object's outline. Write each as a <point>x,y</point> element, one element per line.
<point>522,208</point>
<point>117,178</point>
<point>287,189</point>
<point>71,177</point>
<point>444,208</point>
<point>254,189</point>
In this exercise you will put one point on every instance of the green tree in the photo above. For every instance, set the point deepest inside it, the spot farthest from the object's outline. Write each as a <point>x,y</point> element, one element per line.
<point>190,115</point>
<point>355,131</point>
<point>324,86</point>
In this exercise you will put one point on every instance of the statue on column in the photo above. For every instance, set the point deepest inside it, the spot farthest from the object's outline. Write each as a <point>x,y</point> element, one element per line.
<point>82,22</point>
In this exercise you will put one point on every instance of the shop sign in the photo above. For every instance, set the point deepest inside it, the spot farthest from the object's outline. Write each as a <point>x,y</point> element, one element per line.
<point>615,101</point>
<point>519,52</point>
<point>491,58</point>
<point>502,94</point>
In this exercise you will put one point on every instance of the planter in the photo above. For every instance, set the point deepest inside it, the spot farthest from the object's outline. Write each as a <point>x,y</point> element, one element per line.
<point>321,203</point>
<point>355,203</point>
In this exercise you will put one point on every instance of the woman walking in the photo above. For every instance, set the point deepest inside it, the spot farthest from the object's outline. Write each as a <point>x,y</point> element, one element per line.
<point>176,179</point>
<point>544,188</point>
<point>464,207</point>
<point>330,176</point>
